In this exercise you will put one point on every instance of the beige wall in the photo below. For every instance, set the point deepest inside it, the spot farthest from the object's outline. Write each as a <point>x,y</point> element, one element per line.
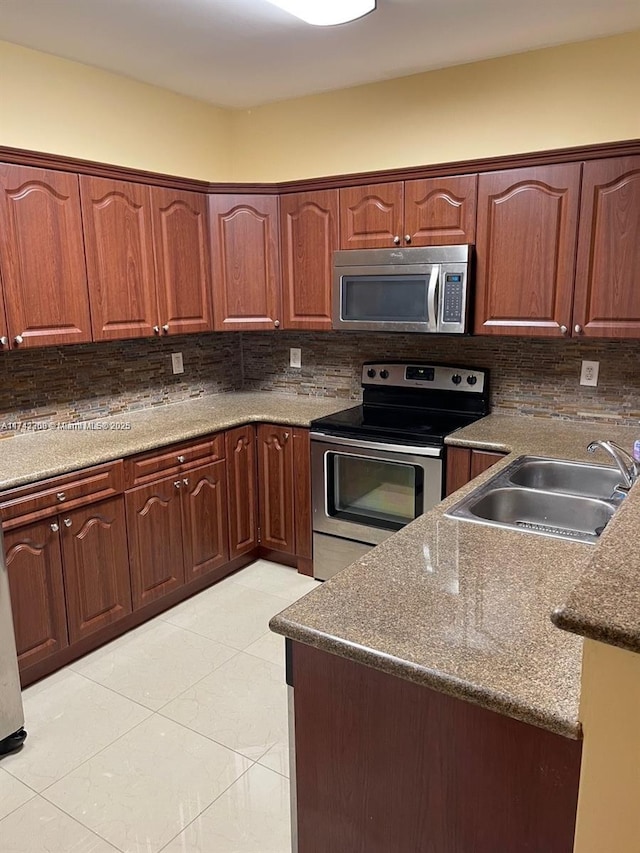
<point>62,107</point>
<point>570,95</point>
<point>609,802</point>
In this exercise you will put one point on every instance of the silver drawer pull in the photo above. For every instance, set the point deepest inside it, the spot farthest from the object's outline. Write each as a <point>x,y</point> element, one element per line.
<point>186,481</point>
<point>61,496</point>
<point>18,340</point>
<point>55,527</point>
<point>4,341</point>
<point>165,328</point>
<point>177,484</point>
<point>182,459</point>
<point>67,522</point>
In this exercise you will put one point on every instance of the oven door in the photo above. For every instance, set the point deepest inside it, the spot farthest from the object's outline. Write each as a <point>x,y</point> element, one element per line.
<point>365,490</point>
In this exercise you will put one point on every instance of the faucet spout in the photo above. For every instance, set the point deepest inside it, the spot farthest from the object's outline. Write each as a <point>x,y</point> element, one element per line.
<point>627,465</point>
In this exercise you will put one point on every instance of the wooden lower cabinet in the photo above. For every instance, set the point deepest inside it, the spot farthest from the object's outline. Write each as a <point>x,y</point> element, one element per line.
<point>34,563</point>
<point>466,463</point>
<point>276,487</point>
<point>154,524</point>
<point>96,567</point>
<point>242,490</point>
<point>204,520</point>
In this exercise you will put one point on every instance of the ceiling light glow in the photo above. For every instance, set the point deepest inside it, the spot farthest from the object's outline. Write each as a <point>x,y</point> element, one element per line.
<point>326,13</point>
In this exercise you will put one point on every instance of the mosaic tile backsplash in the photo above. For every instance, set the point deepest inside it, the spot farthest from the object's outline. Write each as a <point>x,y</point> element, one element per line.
<point>86,381</point>
<point>530,376</point>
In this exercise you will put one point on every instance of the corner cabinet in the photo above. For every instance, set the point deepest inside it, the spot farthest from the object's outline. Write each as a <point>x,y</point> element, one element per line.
<point>309,225</point>
<point>428,212</point>
<point>246,262</point>
<point>607,294</point>
<point>42,264</point>
<point>525,250</point>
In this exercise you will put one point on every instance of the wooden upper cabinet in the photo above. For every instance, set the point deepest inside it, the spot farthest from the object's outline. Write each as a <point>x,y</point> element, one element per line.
<point>276,487</point>
<point>246,262</point>
<point>607,295</point>
<point>440,211</point>
<point>525,250</point>
<point>309,227</point>
<point>4,331</point>
<point>372,216</point>
<point>120,263</point>
<point>42,257</point>
<point>181,240</point>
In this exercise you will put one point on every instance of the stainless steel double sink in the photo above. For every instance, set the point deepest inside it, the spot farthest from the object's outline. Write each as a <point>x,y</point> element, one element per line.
<point>550,497</point>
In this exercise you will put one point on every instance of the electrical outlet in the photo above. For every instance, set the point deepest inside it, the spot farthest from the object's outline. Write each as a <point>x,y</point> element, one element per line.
<point>295,357</point>
<point>176,362</point>
<point>589,372</point>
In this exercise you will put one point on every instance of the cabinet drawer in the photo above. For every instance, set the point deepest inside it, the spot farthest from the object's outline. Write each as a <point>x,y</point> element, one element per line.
<point>48,497</point>
<point>169,460</point>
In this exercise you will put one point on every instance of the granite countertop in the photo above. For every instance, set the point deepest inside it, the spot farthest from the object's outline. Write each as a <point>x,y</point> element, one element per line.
<point>27,457</point>
<point>465,608</point>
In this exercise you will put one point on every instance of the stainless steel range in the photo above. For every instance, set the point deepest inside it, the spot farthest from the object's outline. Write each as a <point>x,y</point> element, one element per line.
<point>378,466</point>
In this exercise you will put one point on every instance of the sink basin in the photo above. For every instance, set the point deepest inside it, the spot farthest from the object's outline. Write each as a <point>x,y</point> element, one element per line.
<point>564,516</point>
<point>551,497</point>
<point>574,478</point>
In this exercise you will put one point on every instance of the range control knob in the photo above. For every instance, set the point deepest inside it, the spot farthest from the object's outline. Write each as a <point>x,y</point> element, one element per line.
<point>384,374</point>
<point>472,380</point>
<point>371,373</point>
<point>456,379</point>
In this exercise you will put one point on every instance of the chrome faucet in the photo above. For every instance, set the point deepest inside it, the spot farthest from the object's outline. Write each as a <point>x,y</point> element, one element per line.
<point>629,468</point>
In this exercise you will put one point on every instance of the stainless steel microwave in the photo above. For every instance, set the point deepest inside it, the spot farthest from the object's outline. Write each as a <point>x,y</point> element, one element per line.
<point>403,290</point>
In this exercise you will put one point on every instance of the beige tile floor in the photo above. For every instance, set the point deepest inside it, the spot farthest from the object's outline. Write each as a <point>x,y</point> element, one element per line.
<point>172,738</point>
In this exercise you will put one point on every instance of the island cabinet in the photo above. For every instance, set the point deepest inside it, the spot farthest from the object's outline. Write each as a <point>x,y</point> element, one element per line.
<point>42,263</point>
<point>177,518</point>
<point>66,554</point>
<point>284,492</point>
<point>383,764</point>
<point>309,227</point>
<point>246,262</point>
<point>607,293</point>
<point>148,259</point>
<point>467,463</point>
<point>526,249</point>
<point>427,212</point>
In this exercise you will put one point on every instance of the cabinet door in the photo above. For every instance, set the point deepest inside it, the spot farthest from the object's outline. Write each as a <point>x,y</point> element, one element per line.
<point>246,262</point>
<point>242,490</point>
<point>371,217</point>
<point>464,464</point>
<point>275,486</point>
<point>96,567</point>
<point>440,211</point>
<point>42,257</point>
<point>607,298</point>
<point>37,591</point>
<point>181,241</point>
<point>205,523</point>
<point>154,524</point>
<point>482,460</point>
<point>309,225</point>
<point>525,250</point>
<point>119,246</point>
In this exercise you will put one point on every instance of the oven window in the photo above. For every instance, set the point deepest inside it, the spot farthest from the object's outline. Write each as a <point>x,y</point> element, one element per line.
<point>375,492</point>
<point>391,298</point>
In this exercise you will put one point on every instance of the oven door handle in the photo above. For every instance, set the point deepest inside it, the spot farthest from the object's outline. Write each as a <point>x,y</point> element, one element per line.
<point>435,452</point>
<point>432,292</point>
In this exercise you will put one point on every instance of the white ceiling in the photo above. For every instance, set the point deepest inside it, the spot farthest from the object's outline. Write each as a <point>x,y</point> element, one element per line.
<point>241,53</point>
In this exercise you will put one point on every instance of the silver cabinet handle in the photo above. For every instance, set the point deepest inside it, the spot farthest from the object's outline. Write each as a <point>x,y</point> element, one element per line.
<point>156,330</point>
<point>165,328</point>
<point>286,436</point>
<point>18,340</point>
<point>564,330</point>
<point>61,496</point>
<point>55,527</point>
<point>181,459</point>
<point>276,323</point>
<point>407,238</point>
<point>186,481</point>
<point>68,522</point>
<point>4,340</point>
<point>397,240</point>
<point>578,329</point>
<point>177,484</point>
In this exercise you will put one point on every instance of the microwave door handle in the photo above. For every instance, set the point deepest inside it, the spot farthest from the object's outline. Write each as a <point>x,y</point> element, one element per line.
<point>432,293</point>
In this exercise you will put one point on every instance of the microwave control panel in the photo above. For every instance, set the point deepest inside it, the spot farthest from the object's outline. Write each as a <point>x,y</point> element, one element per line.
<point>453,297</point>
